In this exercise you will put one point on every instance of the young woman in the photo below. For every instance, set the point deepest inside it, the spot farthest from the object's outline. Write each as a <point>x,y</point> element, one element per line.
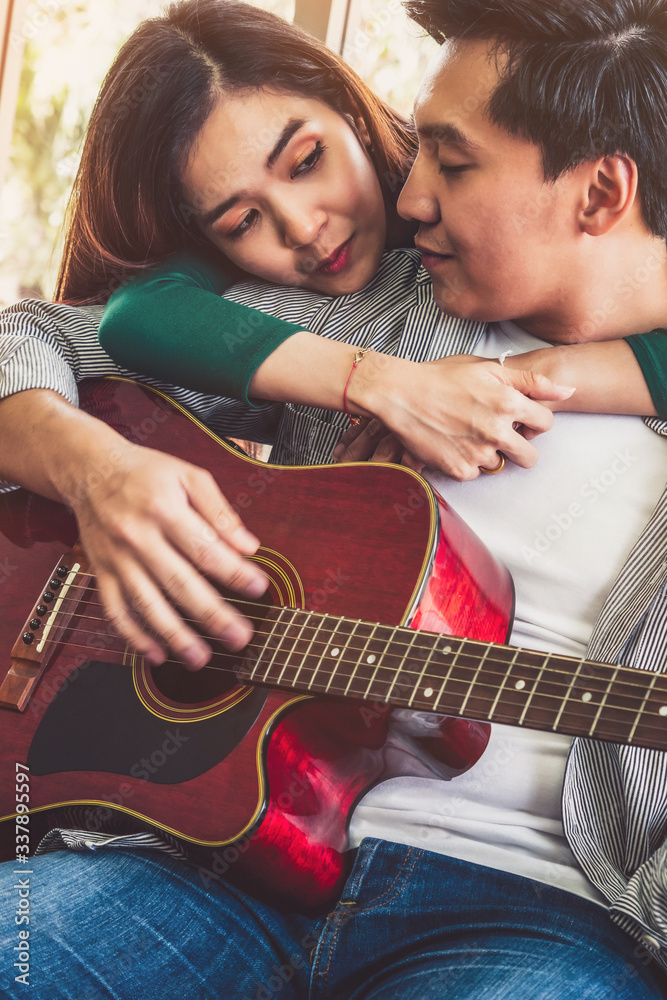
<point>264,145</point>
<point>316,212</point>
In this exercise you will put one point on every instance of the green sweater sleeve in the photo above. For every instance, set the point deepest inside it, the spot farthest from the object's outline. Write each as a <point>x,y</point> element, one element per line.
<point>651,353</point>
<point>170,323</point>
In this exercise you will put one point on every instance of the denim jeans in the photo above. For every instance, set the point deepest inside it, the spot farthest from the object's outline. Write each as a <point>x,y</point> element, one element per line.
<point>410,925</point>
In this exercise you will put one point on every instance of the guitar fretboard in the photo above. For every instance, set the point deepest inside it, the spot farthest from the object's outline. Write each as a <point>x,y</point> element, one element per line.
<point>319,654</point>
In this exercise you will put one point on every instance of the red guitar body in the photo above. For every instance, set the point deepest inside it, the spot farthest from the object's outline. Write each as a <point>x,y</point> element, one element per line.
<point>252,784</point>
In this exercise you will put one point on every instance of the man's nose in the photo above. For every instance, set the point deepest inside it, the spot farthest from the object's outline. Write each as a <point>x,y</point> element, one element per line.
<point>417,200</point>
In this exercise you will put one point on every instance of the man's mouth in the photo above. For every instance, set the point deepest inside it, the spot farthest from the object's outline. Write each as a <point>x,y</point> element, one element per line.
<point>431,258</point>
<point>338,260</point>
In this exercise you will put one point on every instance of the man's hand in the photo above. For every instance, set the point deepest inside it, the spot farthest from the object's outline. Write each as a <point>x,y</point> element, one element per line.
<point>150,530</point>
<point>153,526</point>
<point>455,415</point>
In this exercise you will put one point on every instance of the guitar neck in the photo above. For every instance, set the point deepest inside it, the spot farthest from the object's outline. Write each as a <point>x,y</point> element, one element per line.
<point>319,654</point>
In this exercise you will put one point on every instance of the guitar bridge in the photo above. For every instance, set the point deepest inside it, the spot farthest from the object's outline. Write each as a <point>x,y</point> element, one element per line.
<point>31,652</point>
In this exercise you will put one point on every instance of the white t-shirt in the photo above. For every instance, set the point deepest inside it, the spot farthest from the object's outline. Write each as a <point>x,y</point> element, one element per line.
<point>564,530</point>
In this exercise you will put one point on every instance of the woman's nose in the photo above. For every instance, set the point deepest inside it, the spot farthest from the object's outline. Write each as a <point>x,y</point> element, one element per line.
<point>302,225</point>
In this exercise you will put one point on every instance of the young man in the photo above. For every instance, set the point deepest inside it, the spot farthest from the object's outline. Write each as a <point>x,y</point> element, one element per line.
<point>473,890</point>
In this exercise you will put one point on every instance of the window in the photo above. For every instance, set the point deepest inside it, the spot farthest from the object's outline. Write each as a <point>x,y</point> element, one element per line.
<point>387,49</point>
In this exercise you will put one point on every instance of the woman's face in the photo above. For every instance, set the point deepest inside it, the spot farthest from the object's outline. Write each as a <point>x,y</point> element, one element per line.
<point>283,186</point>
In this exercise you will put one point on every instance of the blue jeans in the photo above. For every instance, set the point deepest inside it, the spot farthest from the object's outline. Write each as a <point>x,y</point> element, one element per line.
<point>410,925</point>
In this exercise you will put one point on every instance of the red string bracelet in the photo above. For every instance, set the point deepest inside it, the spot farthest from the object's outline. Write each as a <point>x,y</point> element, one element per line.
<point>358,357</point>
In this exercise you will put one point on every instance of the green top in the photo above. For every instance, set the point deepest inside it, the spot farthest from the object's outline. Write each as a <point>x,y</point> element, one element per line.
<point>168,325</point>
<point>651,353</point>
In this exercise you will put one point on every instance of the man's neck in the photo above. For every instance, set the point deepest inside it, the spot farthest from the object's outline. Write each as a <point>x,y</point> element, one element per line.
<point>612,298</point>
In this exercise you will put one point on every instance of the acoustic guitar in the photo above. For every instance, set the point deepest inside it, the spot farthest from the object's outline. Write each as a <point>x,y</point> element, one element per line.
<point>380,599</point>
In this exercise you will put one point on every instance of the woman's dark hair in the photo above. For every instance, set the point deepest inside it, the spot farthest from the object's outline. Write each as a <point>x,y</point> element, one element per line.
<point>583,79</point>
<point>127,209</point>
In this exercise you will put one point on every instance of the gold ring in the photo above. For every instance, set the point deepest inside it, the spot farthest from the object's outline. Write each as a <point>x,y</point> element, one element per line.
<point>499,468</point>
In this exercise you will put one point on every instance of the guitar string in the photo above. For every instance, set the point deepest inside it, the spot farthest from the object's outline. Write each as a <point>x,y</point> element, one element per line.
<point>395,641</point>
<point>397,630</point>
<point>583,722</point>
<point>627,675</point>
<point>647,713</point>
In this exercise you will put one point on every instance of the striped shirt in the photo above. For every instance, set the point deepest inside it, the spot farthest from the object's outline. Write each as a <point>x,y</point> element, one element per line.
<point>614,797</point>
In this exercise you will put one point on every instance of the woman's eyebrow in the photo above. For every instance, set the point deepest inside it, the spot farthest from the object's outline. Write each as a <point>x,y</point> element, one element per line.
<point>292,127</point>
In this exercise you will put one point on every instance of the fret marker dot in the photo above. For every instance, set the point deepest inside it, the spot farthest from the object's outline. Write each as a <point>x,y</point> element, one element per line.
<point>663,710</point>
<point>335,652</point>
<point>428,693</point>
<point>520,685</point>
<point>370,659</point>
<point>586,696</point>
<point>446,649</point>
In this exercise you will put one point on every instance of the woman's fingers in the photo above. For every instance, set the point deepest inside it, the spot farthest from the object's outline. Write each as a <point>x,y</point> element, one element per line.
<point>536,386</point>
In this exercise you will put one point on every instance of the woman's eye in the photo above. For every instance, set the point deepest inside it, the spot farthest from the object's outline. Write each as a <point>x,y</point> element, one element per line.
<point>246,223</point>
<point>310,161</point>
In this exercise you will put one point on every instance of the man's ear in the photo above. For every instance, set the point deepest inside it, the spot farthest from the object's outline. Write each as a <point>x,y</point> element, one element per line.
<point>611,193</point>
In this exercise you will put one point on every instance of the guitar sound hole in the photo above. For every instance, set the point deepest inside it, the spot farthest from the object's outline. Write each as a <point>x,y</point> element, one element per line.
<point>186,687</point>
<point>194,687</point>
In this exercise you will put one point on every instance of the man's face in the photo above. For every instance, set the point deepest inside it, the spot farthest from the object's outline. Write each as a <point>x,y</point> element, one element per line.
<point>498,240</point>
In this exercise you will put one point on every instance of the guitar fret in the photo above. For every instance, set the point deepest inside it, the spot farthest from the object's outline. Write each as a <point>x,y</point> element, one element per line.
<point>398,670</point>
<point>345,650</point>
<point>292,650</point>
<point>421,676</point>
<point>502,686</point>
<point>369,661</point>
<point>360,659</point>
<point>325,649</point>
<point>570,687</point>
<point>250,651</point>
<point>533,690</point>
<point>640,711</point>
<point>366,693</point>
<point>277,649</point>
<point>473,681</point>
<point>313,639</point>
<point>603,703</point>
<point>436,703</point>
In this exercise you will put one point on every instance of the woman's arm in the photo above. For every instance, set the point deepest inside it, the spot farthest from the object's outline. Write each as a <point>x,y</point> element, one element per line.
<point>452,415</point>
<point>173,324</point>
<point>611,376</point>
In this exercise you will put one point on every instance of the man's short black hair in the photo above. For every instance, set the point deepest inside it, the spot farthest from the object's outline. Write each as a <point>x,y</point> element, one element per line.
<point>583,79</point>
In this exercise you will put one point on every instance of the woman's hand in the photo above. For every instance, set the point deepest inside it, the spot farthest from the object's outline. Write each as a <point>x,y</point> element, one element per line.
<point>151,526</point>
<point>453,414</point>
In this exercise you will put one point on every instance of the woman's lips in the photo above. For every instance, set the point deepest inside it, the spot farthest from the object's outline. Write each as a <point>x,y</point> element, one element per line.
<point>338,260</point>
